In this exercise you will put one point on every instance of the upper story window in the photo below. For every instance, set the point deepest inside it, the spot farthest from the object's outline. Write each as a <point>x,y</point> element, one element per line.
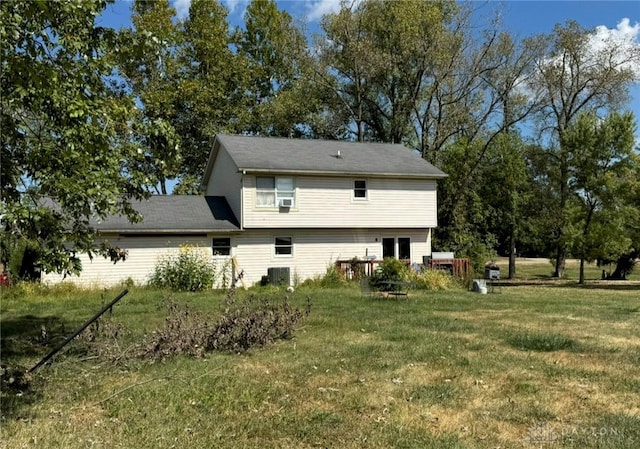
<point>221,246</point>
<point>360,189</point>
<point>271,190</point>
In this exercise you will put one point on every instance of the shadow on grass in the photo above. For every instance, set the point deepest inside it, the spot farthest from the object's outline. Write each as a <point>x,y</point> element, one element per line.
<point>17,397</point>
<point>547,281</point>
<point>544,342</point>
<point>24,340</point>
<point>611,431</point>
<point>29,335</point>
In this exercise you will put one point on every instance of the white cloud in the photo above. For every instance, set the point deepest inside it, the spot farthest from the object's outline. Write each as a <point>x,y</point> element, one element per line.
<point>617,48</point>
<point>233,4</point>
<point>182,8</point>
<point>624,39</point>
<point>315,9</point>
<point>318,8</point>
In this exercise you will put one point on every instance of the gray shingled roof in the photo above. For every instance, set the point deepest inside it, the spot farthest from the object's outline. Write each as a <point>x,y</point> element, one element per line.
<point>270,154</point>
<point>175,214</point>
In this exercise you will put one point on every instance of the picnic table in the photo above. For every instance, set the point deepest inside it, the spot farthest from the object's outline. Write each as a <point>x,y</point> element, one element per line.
<point>396,288</point>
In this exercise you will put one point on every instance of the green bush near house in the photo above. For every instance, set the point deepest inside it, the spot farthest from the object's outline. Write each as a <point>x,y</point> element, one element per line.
<point>188,271</point>
<point>330,279</point>
<point>390,270</point>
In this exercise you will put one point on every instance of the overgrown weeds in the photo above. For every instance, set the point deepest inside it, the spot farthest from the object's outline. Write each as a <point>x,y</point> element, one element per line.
<point>254,322</point>
<point>103,339</point>
<point>433,280</point>
<point>184,332</point>
<point>191,270</point>
<point>330,279</point>
<point>243,324</point>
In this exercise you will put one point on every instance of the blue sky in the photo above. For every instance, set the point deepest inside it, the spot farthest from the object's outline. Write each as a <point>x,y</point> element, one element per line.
<point>523,18</point>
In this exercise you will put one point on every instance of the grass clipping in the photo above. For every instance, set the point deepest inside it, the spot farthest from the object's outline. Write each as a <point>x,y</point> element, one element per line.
<point>244,324</point>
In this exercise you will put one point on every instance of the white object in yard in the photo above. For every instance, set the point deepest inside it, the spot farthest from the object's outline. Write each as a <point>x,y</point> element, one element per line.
<point>290,289</point>
<point>480,286</point>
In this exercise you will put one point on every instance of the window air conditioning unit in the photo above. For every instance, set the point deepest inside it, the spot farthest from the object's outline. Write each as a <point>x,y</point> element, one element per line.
<point>286,202</point>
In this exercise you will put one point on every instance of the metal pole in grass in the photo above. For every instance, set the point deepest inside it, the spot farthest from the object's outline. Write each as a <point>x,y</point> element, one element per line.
<point>46,358</point>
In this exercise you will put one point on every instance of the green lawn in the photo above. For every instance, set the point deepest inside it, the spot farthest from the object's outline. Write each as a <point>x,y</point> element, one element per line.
<point>528,368</point>
<point>539,269</point>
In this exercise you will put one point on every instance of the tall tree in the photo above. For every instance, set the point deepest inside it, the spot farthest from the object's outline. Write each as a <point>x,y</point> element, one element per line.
<point>471,105</point>
<point>505,188</point>
<point>270,49</point>
<point>63,143</point>
<point>346,66</point>
<point>211,89</point>
<point>147,59</point>
<point>577,75</point>
<point>374,58</point>
<point>603,166</point>
<point>514,63</point>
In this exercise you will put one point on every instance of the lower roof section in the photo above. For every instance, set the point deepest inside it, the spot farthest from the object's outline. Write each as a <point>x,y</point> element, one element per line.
<point>175,214</point>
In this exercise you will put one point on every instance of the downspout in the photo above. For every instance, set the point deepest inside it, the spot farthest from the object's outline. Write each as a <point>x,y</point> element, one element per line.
<point>241,218</point>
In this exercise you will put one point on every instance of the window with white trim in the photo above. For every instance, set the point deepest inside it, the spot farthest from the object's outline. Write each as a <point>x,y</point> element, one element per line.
<point>270,190</point>
<point>221,246</point>
<point>399,247</point>
<point>360,189</point>
<point>284,246</point>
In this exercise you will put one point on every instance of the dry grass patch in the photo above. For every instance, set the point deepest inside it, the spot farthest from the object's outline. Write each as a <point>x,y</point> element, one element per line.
<point>437,371</point>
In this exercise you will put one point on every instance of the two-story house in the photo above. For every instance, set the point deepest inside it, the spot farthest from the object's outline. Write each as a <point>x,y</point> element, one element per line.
<point>284,203</point>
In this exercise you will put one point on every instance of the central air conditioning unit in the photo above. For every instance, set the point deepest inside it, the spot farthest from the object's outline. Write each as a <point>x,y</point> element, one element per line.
<point>286,202</point>
<point>279,275</point>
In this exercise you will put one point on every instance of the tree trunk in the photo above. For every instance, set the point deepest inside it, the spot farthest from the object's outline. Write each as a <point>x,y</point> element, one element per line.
<point>561,251</point>
<point>561,256</point>
<point>512,254</point>
<point>585,239</point>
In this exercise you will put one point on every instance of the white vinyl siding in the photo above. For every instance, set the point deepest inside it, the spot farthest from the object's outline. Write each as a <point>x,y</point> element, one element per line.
<point>329,202</point>
<point>313,251</point>
<point>226,181</point>
<point>317,249</point>
<point>143,255</point>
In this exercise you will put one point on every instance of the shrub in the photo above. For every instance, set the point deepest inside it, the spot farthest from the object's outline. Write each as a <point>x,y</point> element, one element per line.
<point>330,279</point>
<point>189,270</point>
<point>389,270</point>
<point>357,268</point>
<point>432,280</point>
